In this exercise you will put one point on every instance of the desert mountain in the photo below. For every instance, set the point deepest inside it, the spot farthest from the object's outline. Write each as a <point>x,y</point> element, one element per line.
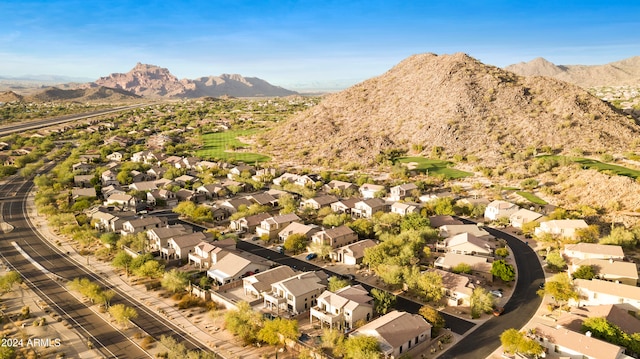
<point>454,102</point>
<point>621,73</point>
<point>99,93</point>
<point>10,96</point>
<point>153,81</point>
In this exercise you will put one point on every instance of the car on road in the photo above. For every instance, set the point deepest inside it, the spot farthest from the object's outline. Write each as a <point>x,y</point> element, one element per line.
<point>311,256</point>
<point>496,293</point>
<point>498,311</point>
<point>279,249</point>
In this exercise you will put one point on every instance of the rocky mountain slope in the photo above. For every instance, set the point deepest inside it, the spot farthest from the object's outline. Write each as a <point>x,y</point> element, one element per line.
<point>153,81</point>
<point>10,96</point>
<point>454,102</point>
<point>621,73</point>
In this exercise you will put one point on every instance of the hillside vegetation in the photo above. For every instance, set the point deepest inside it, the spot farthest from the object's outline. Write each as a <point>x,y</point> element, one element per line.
<point>453,103</point>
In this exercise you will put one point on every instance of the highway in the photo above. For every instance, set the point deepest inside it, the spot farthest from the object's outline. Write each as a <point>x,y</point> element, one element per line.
<point>36,124</point>
<point>108,340</point>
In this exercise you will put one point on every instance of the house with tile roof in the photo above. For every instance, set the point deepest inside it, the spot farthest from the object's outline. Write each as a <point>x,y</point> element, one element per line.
<point>565,343</point>
<point>296,294</point>
<point>298,228</point>
<point>466,243</point>
<point>257,284</point>
<point>523,216</point>
<point>179,247</point>
<point>206,253</point>
<point>600,292</point>
<point>608,269</point>
<point>318,202</point>
<point>581,251</point>
<point>342,309</point>
<point>398,333</point>
<point>158,237</point>
<point>335,237</point>
<point>353,253</point>
<point>450,230</point>
<point>561,227</point>
<point>398,193</point>
<point>366,208</point>
<point>499,209</point>
<point>273,225</point>
<point>235,266</point>
<point>369,190</point>
<point>480,266</point>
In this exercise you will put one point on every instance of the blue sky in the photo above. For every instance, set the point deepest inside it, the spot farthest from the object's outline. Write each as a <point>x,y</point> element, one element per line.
<point>304,43</point>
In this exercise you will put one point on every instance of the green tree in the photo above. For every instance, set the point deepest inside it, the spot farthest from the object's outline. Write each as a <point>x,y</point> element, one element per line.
<point>514,341</point>
<point>363,227</point>
<point>429,285</point>
<point>332,339</point>
<point>502,252</point>
<point>555,260</point>
<point>361,347</point>
<point>175,281</point>
<point>296,243</point>
<point>288,204</point>
<point>383,301</point>
<point>122,314</point>
<point>8,280</point>
<point>243,322</point>
<point>150,269</point>
<point>414,221</point>
<point>122,260</point>
<point>433,317</point>
<point>560,288</point>
<point>336,220</point>
<point>503,270</point>
<point>481,302</point>
<point>584,272</point>
<point>461,268</point>
<point>278,330</point>
<point>336,283</point>
<point>591,234</point>
<point>622,237</point>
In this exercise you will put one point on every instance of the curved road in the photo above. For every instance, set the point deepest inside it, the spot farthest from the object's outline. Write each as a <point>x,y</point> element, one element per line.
<point>103,336</point>
<point>520,308</point>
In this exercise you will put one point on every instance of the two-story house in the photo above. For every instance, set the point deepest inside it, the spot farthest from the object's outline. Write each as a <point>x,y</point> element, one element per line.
<point>342,309</point>
<point>353,253</point>
<point>366,208</point>
<point>296,294</point>
<point>298,228</point>
<point>257,284</point>
<point>318,202</point>
<point>499,209</point>
<point>179,247</point>
<point>206,253</point>
<point>335,237</point>
<point>398,193</point>
<point>273,225</point>
<point>157,237</point>
<point>143,224</point>
<point>235,266</point>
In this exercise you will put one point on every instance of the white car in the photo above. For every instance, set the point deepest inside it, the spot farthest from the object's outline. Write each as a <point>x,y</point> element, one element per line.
<point>496,293</point>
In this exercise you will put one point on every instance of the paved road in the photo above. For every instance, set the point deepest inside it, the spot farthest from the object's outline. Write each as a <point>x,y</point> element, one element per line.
<point>520,308</point>
<point>111,342</point>
<point>36,124</point>
<point>457,325</point>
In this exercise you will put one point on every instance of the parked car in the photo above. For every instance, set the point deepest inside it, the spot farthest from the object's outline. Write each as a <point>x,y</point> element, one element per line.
<point>350,277</point>
<point>496,293</point>
<point>279,249</point>
<point>498,311</point>
<point>311,256</point>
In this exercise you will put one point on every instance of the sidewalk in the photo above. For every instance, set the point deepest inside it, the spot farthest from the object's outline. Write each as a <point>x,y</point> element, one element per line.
<point>200,325</point>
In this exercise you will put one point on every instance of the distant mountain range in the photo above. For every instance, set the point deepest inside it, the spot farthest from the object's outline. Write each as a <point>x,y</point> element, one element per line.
<point>154,81</point>
<point>143,80</point>
<point>620,73</point>
<point>455,104</point>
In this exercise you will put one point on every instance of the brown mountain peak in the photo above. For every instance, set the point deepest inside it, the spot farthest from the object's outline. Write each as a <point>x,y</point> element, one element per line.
<point>450,101</point>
